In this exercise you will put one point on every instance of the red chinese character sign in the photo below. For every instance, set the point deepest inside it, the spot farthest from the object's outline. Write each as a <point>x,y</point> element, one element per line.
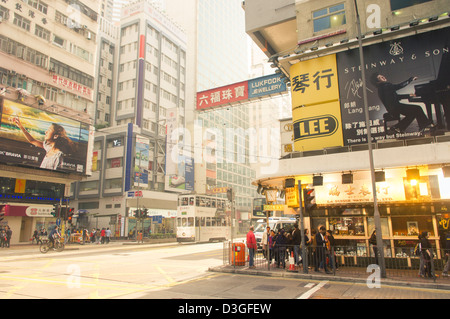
<point>224,95</point>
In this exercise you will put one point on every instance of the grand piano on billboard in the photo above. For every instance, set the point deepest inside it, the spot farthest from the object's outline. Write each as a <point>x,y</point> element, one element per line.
<point>421,63</point>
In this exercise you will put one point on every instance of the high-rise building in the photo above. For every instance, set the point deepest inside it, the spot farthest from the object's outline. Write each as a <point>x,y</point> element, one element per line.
<point>402,87</point>
<point>47,75</point>
<point>141,88</point>
<point>217,55</point>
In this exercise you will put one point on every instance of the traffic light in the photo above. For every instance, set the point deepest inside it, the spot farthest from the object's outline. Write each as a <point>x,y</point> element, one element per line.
<point>230,194</point>
<point>70,213</point>
<point>309,199</point>
<point>145,213</point>
<point>55,210</point>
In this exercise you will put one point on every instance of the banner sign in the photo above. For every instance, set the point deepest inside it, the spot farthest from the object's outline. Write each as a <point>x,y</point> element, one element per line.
<point>409,77</point>
<point>408,81</point>
<point>240,92</point>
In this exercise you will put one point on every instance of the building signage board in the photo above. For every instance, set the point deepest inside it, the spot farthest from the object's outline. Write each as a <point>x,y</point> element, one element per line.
<point>359,192</point>
<point>416,72</point>
<point>241,92</point>
<point>407,79</point>
<point>315,104</point>
<point>26,132</point>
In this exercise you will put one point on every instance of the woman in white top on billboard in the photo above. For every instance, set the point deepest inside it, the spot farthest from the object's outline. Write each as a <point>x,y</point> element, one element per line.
<point>56,143</point>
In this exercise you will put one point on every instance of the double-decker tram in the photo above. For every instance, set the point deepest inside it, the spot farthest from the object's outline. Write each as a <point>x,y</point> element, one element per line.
<point>202,218</point>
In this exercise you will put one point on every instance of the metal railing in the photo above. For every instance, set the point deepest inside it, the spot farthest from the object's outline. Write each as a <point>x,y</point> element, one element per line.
<point>341,261</point>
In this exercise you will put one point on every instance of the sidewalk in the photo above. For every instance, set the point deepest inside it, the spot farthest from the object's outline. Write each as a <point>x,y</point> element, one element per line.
<point>27,249</point>
<point>405,278</point>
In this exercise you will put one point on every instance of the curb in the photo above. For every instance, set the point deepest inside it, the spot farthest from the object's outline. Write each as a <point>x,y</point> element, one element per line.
<point>292,275</point>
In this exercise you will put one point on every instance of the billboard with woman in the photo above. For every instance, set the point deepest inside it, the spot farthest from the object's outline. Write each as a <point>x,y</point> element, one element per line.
<point>37,138</point>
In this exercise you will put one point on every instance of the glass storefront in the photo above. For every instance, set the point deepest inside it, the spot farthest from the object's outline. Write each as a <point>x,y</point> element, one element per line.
<point>400,225</point>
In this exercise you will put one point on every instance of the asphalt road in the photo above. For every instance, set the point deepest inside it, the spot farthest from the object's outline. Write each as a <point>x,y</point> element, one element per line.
<point>168,271</point>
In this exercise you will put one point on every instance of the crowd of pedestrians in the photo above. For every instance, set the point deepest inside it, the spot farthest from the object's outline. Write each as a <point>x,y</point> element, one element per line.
<point>277,247</point>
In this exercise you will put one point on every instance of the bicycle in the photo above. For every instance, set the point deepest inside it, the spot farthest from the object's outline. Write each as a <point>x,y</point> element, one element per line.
<point>46,245</point>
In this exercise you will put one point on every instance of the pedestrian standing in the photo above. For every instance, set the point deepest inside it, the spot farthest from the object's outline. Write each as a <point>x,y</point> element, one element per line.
<point>296,241</point>
<point>373,242</point>
<point>2,238</point>
<point>280,243</point>
<point>108,235</point>
<point>8,236</point>
<point>330,250</point>
<point>97,236</point>
<point>265,240</point>
<point>418,251</point>
<point>447,254</point>
<point>251,245</point>
<point>103,235</point>
<point>427,254</point>
<point>320,250</point>
<point>271,243</point>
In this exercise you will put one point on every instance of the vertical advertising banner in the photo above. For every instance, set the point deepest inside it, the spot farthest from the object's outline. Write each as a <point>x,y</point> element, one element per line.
<point>179,165</point>
<point>315,104</point>
<point>408,81</point>
<point>141,161</point>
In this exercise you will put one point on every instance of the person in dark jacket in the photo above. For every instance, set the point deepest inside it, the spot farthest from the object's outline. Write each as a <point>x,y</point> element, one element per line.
<point>426,253</point>
<point>296,241</point>
<point>388,95</point>
<point>280,244</point>
<point>447,254</point>
<point>373,242</point>
<point>320,250</point>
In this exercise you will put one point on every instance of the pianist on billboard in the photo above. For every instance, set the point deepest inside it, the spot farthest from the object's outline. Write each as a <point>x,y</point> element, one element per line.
<point>387,92</point>
<point>56,143</point>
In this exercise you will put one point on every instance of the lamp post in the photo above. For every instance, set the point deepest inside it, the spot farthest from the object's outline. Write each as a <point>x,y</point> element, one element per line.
<point>376,213</point>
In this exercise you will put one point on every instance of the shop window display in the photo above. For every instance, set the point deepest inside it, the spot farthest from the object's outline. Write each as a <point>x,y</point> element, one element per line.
<point>347,226</point>
<point>411,225</point>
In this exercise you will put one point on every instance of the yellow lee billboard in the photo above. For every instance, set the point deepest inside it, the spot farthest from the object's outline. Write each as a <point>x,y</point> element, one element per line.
<point>316,110</point>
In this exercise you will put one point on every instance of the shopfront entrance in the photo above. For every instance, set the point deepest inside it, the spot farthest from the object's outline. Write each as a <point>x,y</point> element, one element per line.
<point>401,225</point>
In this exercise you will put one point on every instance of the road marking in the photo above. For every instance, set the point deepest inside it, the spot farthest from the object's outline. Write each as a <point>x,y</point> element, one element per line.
<point>310,285</point>
<point>310,292</point>
<point>162,272</point>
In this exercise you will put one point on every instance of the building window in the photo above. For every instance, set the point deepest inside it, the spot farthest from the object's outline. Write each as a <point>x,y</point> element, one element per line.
<point>328,18</point>
<point>42,33</point>
<point>400,4</point>
<point>21,22</point>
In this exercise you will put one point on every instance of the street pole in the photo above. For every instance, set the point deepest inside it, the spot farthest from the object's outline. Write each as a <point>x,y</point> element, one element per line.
<point>376,213</point>
<point>302,229</point>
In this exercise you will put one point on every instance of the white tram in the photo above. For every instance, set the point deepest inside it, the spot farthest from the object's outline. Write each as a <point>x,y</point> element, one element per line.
<point>202,218</point>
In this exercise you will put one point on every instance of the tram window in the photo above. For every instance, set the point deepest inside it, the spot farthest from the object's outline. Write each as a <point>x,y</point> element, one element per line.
<point>197,201</point>
<point>197,221</point>
<point>208,203</point>
<point>184,201</point>
<point>179,222</point>
<point>213,222</point>
<point>208,221</point>
<point>202,221</point>
<point>191,201</point>
<point>190,222</point>
<point>213,203</point>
